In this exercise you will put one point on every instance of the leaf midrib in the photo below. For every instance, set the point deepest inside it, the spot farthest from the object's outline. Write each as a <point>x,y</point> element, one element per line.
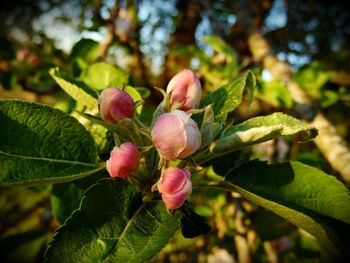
<point>115,246</point>
<point>48,159</point>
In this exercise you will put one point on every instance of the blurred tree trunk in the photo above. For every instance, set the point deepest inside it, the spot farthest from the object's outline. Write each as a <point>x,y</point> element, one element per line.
<point>123,27</point>
<point>186,23</point>
<point>331,145</point>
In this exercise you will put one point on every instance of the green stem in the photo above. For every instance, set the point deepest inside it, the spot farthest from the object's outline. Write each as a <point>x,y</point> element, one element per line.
<point>215,185</point>
<point>139,122</point>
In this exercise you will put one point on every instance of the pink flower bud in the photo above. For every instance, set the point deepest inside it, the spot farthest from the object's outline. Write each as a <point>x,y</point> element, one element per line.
<point>123,160</point>
<point>176,135</point>
<point>175,186</point>
<point>115,104</point>
<point>185,88</point>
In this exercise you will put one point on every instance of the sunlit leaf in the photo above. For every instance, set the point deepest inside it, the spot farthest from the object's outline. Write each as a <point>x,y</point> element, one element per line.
<point>76,90</point>
<point>102,75</point>
<point>227,98</point>
<point>264,128</point>
<point>40,144</point>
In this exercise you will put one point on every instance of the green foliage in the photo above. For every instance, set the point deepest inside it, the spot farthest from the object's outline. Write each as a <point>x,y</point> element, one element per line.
<point>292,190</point>
<point>39,144</point>
<point>223,49</point>
<point>227,98</point>
<point>113,225</point>
<point>86,49</point>
<point>274,93</point>
<point>102,75</point>
<point>313,78</point>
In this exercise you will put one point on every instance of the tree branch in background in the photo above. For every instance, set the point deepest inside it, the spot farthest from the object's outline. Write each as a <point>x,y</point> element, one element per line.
<point>110,28</point>
<point>240,237</point>
<point>331,145</point>
<point>186,24</point>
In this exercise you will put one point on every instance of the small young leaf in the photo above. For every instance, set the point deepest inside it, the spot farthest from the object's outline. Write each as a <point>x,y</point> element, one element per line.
<point>301,194</point>
<point>77,91</point>
<point>113,225</point>
<point>260,129</point>
<point>135,95</point>
<point>102,75</point>
<point>86,49</point>
<point>228,97</point>
<point>40,144</point>
<point>207,126</point>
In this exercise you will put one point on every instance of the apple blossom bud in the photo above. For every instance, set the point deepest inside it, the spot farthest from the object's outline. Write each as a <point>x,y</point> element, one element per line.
<point>175,186</point>
<point>176,135</point>
<point>115,104</point>
<point>123,160</point>
<point>185,89</point>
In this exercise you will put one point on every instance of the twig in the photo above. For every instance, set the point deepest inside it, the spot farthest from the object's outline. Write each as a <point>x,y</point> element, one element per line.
<point>240,236</point>
<point>272,257</point>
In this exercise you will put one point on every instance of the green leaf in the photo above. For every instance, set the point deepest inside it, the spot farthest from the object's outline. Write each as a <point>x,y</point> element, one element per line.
<point>260,129</point>
<point>65,199</point>
<point>87,49</point>
<point>221,47</point>
<point>228,97</point>
<point>40,144</point>
<point>301,194</point>
<point>102,75</point>
<point>113,225</point>
<point>207,127</point>
<point>144,92</point>
<point>135,95</point>
<point>76,90</point>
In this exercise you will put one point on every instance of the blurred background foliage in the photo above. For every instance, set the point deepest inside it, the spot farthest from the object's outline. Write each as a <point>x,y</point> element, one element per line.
<point>151,40</point>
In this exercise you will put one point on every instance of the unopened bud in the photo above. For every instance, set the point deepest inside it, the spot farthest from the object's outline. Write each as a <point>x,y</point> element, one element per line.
<point>123,160</point>
<point>115,104</point>
<point>175,186</point>
<point>185,89</point>
<point>176,135</point>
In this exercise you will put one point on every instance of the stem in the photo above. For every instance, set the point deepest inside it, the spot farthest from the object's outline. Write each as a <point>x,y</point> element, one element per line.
<point>116,139</point>
<point>139,122</point>
<point>271,254</point>
<point>217,185</point>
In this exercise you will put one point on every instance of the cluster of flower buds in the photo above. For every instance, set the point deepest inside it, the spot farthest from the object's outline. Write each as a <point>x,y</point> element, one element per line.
<point>175,135</point>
